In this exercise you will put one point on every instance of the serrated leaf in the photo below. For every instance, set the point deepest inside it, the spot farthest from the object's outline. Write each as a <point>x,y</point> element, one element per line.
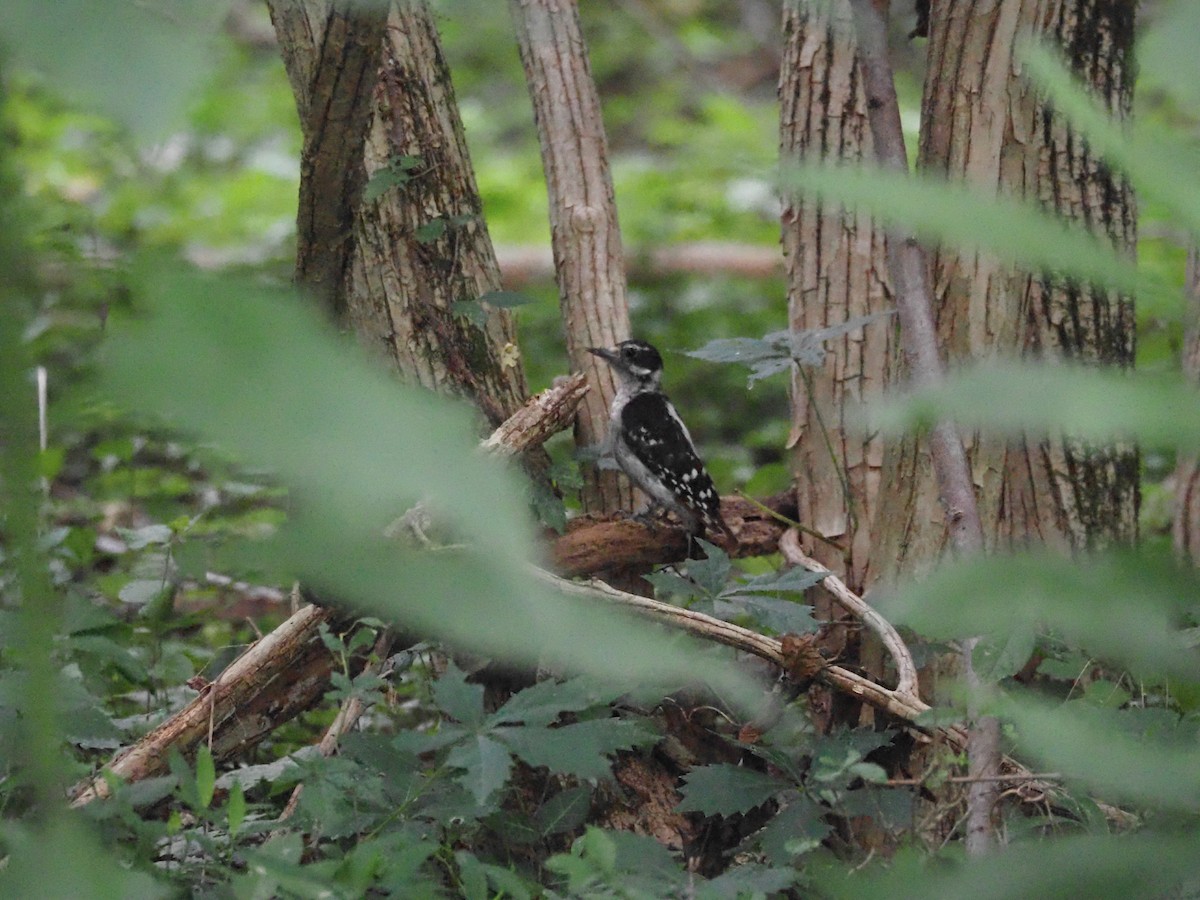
<point>793,580</point>
<point>486,765</point>
<point>506,299</point>
<point>891,808</point>
<point>724,790</point>
<point>581,749</point>
<point>798,827</point>
<point>471,875</point>
<point>458,698</point>
<point>564,811</point>
<point>996,657</point>
<point>206,776</point>
<point>780,616</point>
<point>1084,600</point>
<point>749,880</point>
<point>381,181</point>
<point>542,703</point>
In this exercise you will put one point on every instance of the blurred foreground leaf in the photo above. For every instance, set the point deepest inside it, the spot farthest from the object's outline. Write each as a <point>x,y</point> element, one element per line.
<point>1084,403</point>
<point>1130,866</point>
<point>255,369</point>
<point>1089,743</point>
<point>137,61</point>
<point>1123,607</point>
<point>961,216</point>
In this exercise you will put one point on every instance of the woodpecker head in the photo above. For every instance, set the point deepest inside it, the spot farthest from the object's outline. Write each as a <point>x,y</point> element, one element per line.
<point>637,364</point>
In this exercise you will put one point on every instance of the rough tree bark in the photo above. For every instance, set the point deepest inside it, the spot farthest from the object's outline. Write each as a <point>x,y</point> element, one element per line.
<point>836,270</point>
<point>1186,527</point>
<point>984,123</point>
<point>392,265</point>
<point>588,260</point>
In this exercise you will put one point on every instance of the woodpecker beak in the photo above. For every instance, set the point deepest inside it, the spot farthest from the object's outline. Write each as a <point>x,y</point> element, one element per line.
<point>609,356</point>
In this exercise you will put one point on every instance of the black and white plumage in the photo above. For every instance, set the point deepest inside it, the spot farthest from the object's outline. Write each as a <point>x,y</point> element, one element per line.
<point>650,443</point>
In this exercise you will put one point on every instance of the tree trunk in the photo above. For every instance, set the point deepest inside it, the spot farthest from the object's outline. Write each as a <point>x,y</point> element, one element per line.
<point>836,270</point>
<point>394,261</point>
<point>1187,474</point>
<point>588,260</point>
<point>983,123</point>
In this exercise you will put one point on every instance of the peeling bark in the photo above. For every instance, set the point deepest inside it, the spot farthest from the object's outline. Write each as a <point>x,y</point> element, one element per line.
<point>983,123</point>
<point>836,270</point>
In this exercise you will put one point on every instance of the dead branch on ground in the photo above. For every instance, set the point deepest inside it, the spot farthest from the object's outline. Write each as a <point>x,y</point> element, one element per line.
<point>287,671</point>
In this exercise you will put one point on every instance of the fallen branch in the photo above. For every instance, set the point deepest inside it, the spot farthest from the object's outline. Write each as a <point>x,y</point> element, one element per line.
<point>906,669</point>
<point>217,702</point>
<point>904,705</point>
<point>287,671</point>
<point>595,544</point>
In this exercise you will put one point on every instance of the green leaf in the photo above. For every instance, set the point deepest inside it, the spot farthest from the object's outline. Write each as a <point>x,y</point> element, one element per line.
<point>996,657</point>
<point>1087,403</point>
<point>430,231</point>
<point>749,880</point>
<point>381,181</point>
<point>458,698</point>
<point>798,828</point>
<point>542,703</point>
<point>779,616</point>
<point>486,765</point>
<point>148,535</point>
<point>1132,865</point>
<point>581,749</point>
<point>139,62</point>
<point>1085,599</point>
<point>508,883</point>
<point>472,876</point>
<point>470,310</point>
<point>724,790</point>
<point>966,216</point>
<point>776,352</point>
<point>565,811</point>
<point>206,776</point>
<point>1155,159</point>
<point>209,337</point>
<point>506,299</point>
<point>1087,742</point>
<point>142,591</point>
<point>235,808</point>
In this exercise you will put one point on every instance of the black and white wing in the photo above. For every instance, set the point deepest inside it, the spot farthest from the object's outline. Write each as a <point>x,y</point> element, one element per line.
<point>658,455</point>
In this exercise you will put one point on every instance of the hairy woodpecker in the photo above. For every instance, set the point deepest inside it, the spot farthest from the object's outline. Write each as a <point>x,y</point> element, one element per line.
<point>652,445</point>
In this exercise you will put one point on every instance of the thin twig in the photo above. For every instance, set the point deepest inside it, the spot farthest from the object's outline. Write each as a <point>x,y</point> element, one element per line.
<point>906,669</point>
<point>918,333</point>
<point>791,523</point>
<point>1010,778</point>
